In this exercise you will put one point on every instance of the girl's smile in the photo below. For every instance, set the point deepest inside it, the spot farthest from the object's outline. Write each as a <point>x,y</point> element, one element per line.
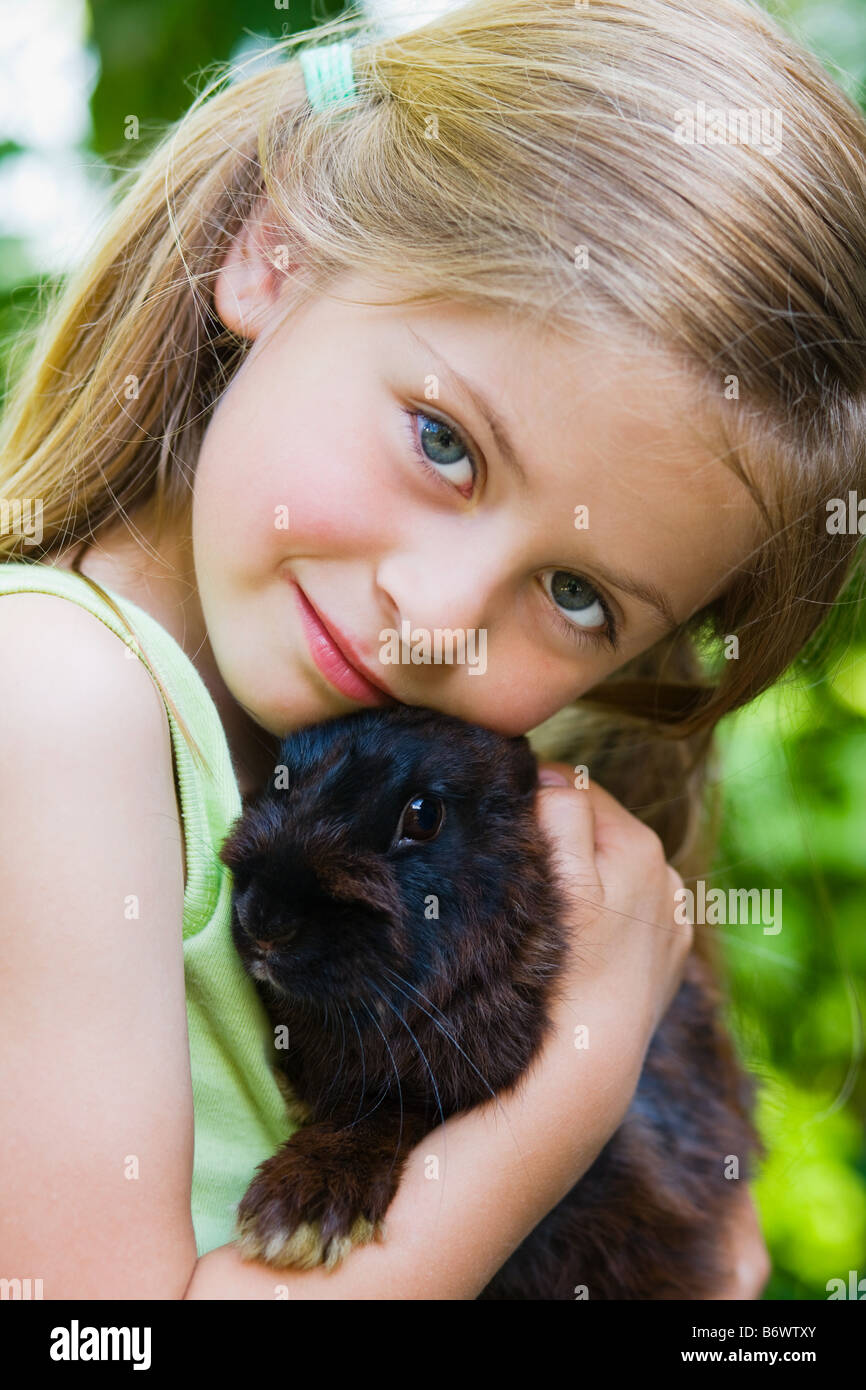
<point>336,657</point>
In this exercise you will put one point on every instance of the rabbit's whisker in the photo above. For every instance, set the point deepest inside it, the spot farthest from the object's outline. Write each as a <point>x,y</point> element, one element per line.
<point>399,1087</point>
<point>337,1070</point>
<point>451,1039</point>
<point>421,1052</point>
<point>442,1028</point>
<point>363,1063</point>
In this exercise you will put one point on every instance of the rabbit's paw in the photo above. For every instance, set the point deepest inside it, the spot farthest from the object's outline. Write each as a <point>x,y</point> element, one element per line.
<point>306,1207</point>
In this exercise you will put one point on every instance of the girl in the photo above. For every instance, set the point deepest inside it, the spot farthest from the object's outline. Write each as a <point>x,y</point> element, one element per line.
<point>498,338</point>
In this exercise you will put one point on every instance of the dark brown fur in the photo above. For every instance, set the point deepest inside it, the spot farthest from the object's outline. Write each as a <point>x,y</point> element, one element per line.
<point>397,1019</point>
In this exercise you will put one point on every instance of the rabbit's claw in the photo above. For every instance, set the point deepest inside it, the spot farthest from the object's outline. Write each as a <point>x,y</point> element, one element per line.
<point>304,1209</point>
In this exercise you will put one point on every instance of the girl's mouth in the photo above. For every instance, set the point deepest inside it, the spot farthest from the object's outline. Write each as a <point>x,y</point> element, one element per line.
<point>333,662</point>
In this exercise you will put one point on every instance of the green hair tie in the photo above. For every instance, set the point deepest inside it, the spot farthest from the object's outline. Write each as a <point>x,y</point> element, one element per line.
<point>328,74</point>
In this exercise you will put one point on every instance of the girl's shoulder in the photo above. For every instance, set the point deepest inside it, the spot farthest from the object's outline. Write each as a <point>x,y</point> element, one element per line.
<point>52,649</point>
<point>75,707</point>
<point>121,651</point>
<point>84,721</point>
<point>68,675</point>
<point>72,673</point>
<point>55,600</point>
<point>52,596</point>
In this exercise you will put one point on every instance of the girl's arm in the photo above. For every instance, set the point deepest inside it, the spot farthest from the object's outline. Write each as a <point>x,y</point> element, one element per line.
<point>501,1169</point>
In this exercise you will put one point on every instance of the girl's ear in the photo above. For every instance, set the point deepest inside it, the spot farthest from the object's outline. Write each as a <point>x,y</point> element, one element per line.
<point>250,279</point>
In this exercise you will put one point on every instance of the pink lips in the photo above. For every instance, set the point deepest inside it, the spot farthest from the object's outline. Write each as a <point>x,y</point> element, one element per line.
<point>329,649</point>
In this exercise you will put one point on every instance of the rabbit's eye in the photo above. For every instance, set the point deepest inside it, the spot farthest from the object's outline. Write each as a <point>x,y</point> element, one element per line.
<point>421,819</point>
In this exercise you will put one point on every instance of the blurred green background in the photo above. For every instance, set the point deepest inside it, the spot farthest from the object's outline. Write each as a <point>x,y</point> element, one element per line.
<point>793,766</point>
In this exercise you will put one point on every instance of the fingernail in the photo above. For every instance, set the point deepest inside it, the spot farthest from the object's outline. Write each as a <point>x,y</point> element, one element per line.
<point>549,777</point>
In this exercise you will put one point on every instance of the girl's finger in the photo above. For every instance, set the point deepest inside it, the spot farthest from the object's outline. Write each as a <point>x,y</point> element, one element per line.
<point>612,823</point>
<point>567,815</point>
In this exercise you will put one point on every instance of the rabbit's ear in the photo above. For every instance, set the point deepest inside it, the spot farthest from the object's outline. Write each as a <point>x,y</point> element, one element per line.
<point>252,835</point>
<point>236,849</point>
<point>362,880</point>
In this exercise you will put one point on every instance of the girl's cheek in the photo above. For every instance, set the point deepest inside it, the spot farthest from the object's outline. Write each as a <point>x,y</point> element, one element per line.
<point>320,502</point>
<point>273,503</point>
<point>290,466</point>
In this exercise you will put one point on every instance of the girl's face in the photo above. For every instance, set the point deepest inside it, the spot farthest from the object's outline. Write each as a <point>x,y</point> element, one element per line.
<point>352,465</point>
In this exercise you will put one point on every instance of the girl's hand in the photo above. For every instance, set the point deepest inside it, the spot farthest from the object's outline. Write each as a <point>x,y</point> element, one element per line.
<point>625,938</point>
<point>612,868</point>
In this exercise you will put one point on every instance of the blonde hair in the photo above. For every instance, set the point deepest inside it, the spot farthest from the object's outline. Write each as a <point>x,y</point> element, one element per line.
<point>483,149</point>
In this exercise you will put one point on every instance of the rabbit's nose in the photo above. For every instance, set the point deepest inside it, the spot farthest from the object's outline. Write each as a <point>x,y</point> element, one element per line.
<point>260,923</point>
<point>274,943</point>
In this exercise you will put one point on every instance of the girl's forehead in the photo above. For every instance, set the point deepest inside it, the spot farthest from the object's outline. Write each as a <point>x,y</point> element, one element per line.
<point>598,395</point>
<point>551,370</point>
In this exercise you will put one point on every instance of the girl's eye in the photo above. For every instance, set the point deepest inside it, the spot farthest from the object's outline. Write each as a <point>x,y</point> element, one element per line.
<point>589,616</point>
<point>442,450</point>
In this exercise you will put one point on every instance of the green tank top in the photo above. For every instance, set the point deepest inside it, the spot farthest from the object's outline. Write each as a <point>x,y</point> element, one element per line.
<point>240,1113</point>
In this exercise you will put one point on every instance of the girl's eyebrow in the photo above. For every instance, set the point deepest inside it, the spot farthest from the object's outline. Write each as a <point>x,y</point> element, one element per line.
<point>649,594</point>
<point>482,404</point>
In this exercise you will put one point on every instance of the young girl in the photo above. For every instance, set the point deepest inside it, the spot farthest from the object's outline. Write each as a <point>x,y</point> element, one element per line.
<point>528,327</point>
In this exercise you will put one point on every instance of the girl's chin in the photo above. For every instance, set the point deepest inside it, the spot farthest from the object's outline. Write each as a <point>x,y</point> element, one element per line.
<point>280,720</point>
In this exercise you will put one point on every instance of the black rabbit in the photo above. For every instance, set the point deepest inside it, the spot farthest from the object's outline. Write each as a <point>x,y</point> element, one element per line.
<point>394,902</point>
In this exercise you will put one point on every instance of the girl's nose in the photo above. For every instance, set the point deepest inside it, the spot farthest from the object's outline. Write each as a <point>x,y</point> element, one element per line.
<point>444,591</point>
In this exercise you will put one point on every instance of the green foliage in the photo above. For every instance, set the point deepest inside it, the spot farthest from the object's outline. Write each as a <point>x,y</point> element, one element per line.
<point>154,55</point>
<point>793,771</point>
<point>836,31</point>
<point>812,1190</point>
<point>794,791</point>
